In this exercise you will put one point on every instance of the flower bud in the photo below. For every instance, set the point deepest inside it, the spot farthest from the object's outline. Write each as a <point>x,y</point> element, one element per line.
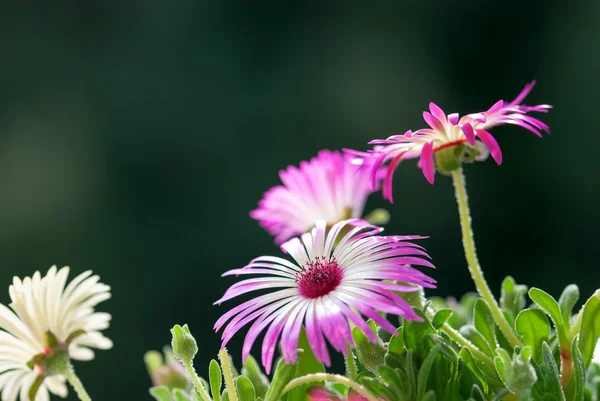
<point>183,343</point>
<point>166,372</point>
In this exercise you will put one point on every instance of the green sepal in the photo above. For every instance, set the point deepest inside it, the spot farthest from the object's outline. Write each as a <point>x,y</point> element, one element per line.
<point>73,336</point>
<point>517,374</point>
<point>35,386</point>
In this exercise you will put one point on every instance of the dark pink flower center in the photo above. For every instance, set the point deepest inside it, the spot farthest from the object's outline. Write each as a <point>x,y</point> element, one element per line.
<point>319,278</point>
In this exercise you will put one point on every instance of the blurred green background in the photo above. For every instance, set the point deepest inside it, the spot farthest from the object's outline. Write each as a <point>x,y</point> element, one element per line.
<point>135,137</point>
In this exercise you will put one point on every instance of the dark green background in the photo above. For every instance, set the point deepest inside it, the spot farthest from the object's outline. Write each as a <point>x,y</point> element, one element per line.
<point>135,137</point>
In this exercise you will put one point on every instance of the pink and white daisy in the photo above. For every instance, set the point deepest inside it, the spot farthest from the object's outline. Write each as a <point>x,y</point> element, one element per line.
<point>328,187</point>
<point>449,132</point>
<point>336,276</point>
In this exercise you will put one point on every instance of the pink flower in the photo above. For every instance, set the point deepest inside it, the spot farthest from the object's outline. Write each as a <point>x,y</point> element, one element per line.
<point>335,275</point>
<point>320,394</point>
<point>448,131</point>
<point>328,187</point>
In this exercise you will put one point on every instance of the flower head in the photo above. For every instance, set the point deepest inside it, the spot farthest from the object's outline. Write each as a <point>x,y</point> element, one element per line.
<point>454,140</point>
<point>328,187</point>
<point>48,318</point>
<point>334,275</point>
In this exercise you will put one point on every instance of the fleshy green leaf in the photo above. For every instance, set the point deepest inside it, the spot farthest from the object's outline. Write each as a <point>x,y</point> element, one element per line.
<point>396,344</point>
<point>590,328</point>
<point>284,373</point>
<point>576,389</point>
<point>512,298</point>
<point>180,395</point>
<point>307,364</point>
<point>160,393</point>
<point>467,358</point>
<point>216,380</point>
<point>245,389</point>
<point>551,374</point>
<point>533,327</point>
<point>252,371</point>
<point>567,301</point>
<point>424,372</point>
<point>484,322</point>
<point>441,316</point>
<point>551,307</point>
<point>369,354</point>
<point>471,333</point>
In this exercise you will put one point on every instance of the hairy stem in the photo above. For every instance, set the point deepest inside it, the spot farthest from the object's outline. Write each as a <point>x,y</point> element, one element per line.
<point>72,378</point>
<point>228,375</point>
<point>471,256</point>
<point>318,377</point>
<point>189,368</point>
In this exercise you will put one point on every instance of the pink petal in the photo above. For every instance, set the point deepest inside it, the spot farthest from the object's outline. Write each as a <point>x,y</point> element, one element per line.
<point>427,162</point>
<point>437,112</point>
<point>492,145</point>
<point>453,118</point>
<point>467,129</point>
<point>433,122</point>
<point>497,106</point>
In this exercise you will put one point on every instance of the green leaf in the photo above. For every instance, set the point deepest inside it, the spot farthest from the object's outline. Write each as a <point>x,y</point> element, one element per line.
<point>551,307</point>
<point>517,374</point>
<point>441,316</point>
<point>377,388</point>
<point>216,380</point>
<point>424,372</point>
<point>484,322</point>
<point>467,358</point>
<point>576,388</point>
<point>245,389</point>
<point>284,373</point>
<point>160,393</point>
<point>512,298</point>
<point>429,396</point>
<point>533,327</point>
<point>477,394</point>
<point>471,333</point>
<point>396,344</point>
<point>392,380</point>
<point>590,328</point>
<point>307,364</point>
<point>567,301</point>
<point>416,335</point>
<point>551,374</point>
<point>252,371</point>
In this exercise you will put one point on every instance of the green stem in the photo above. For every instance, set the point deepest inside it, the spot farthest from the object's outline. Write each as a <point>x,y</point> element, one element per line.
<point>476,272</point>
<point>189,368</point>
<point>228,375</point>
<point>350,365</point>
<point>319,377</point>
<point>69,373</point>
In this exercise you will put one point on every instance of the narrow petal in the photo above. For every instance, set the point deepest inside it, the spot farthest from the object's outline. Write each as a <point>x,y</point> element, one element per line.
<point>427,162</point>
<point>467,129</point>
<point>492,145</point>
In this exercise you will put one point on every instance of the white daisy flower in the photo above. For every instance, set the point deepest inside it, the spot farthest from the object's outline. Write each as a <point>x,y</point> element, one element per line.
<point>49,320</point>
